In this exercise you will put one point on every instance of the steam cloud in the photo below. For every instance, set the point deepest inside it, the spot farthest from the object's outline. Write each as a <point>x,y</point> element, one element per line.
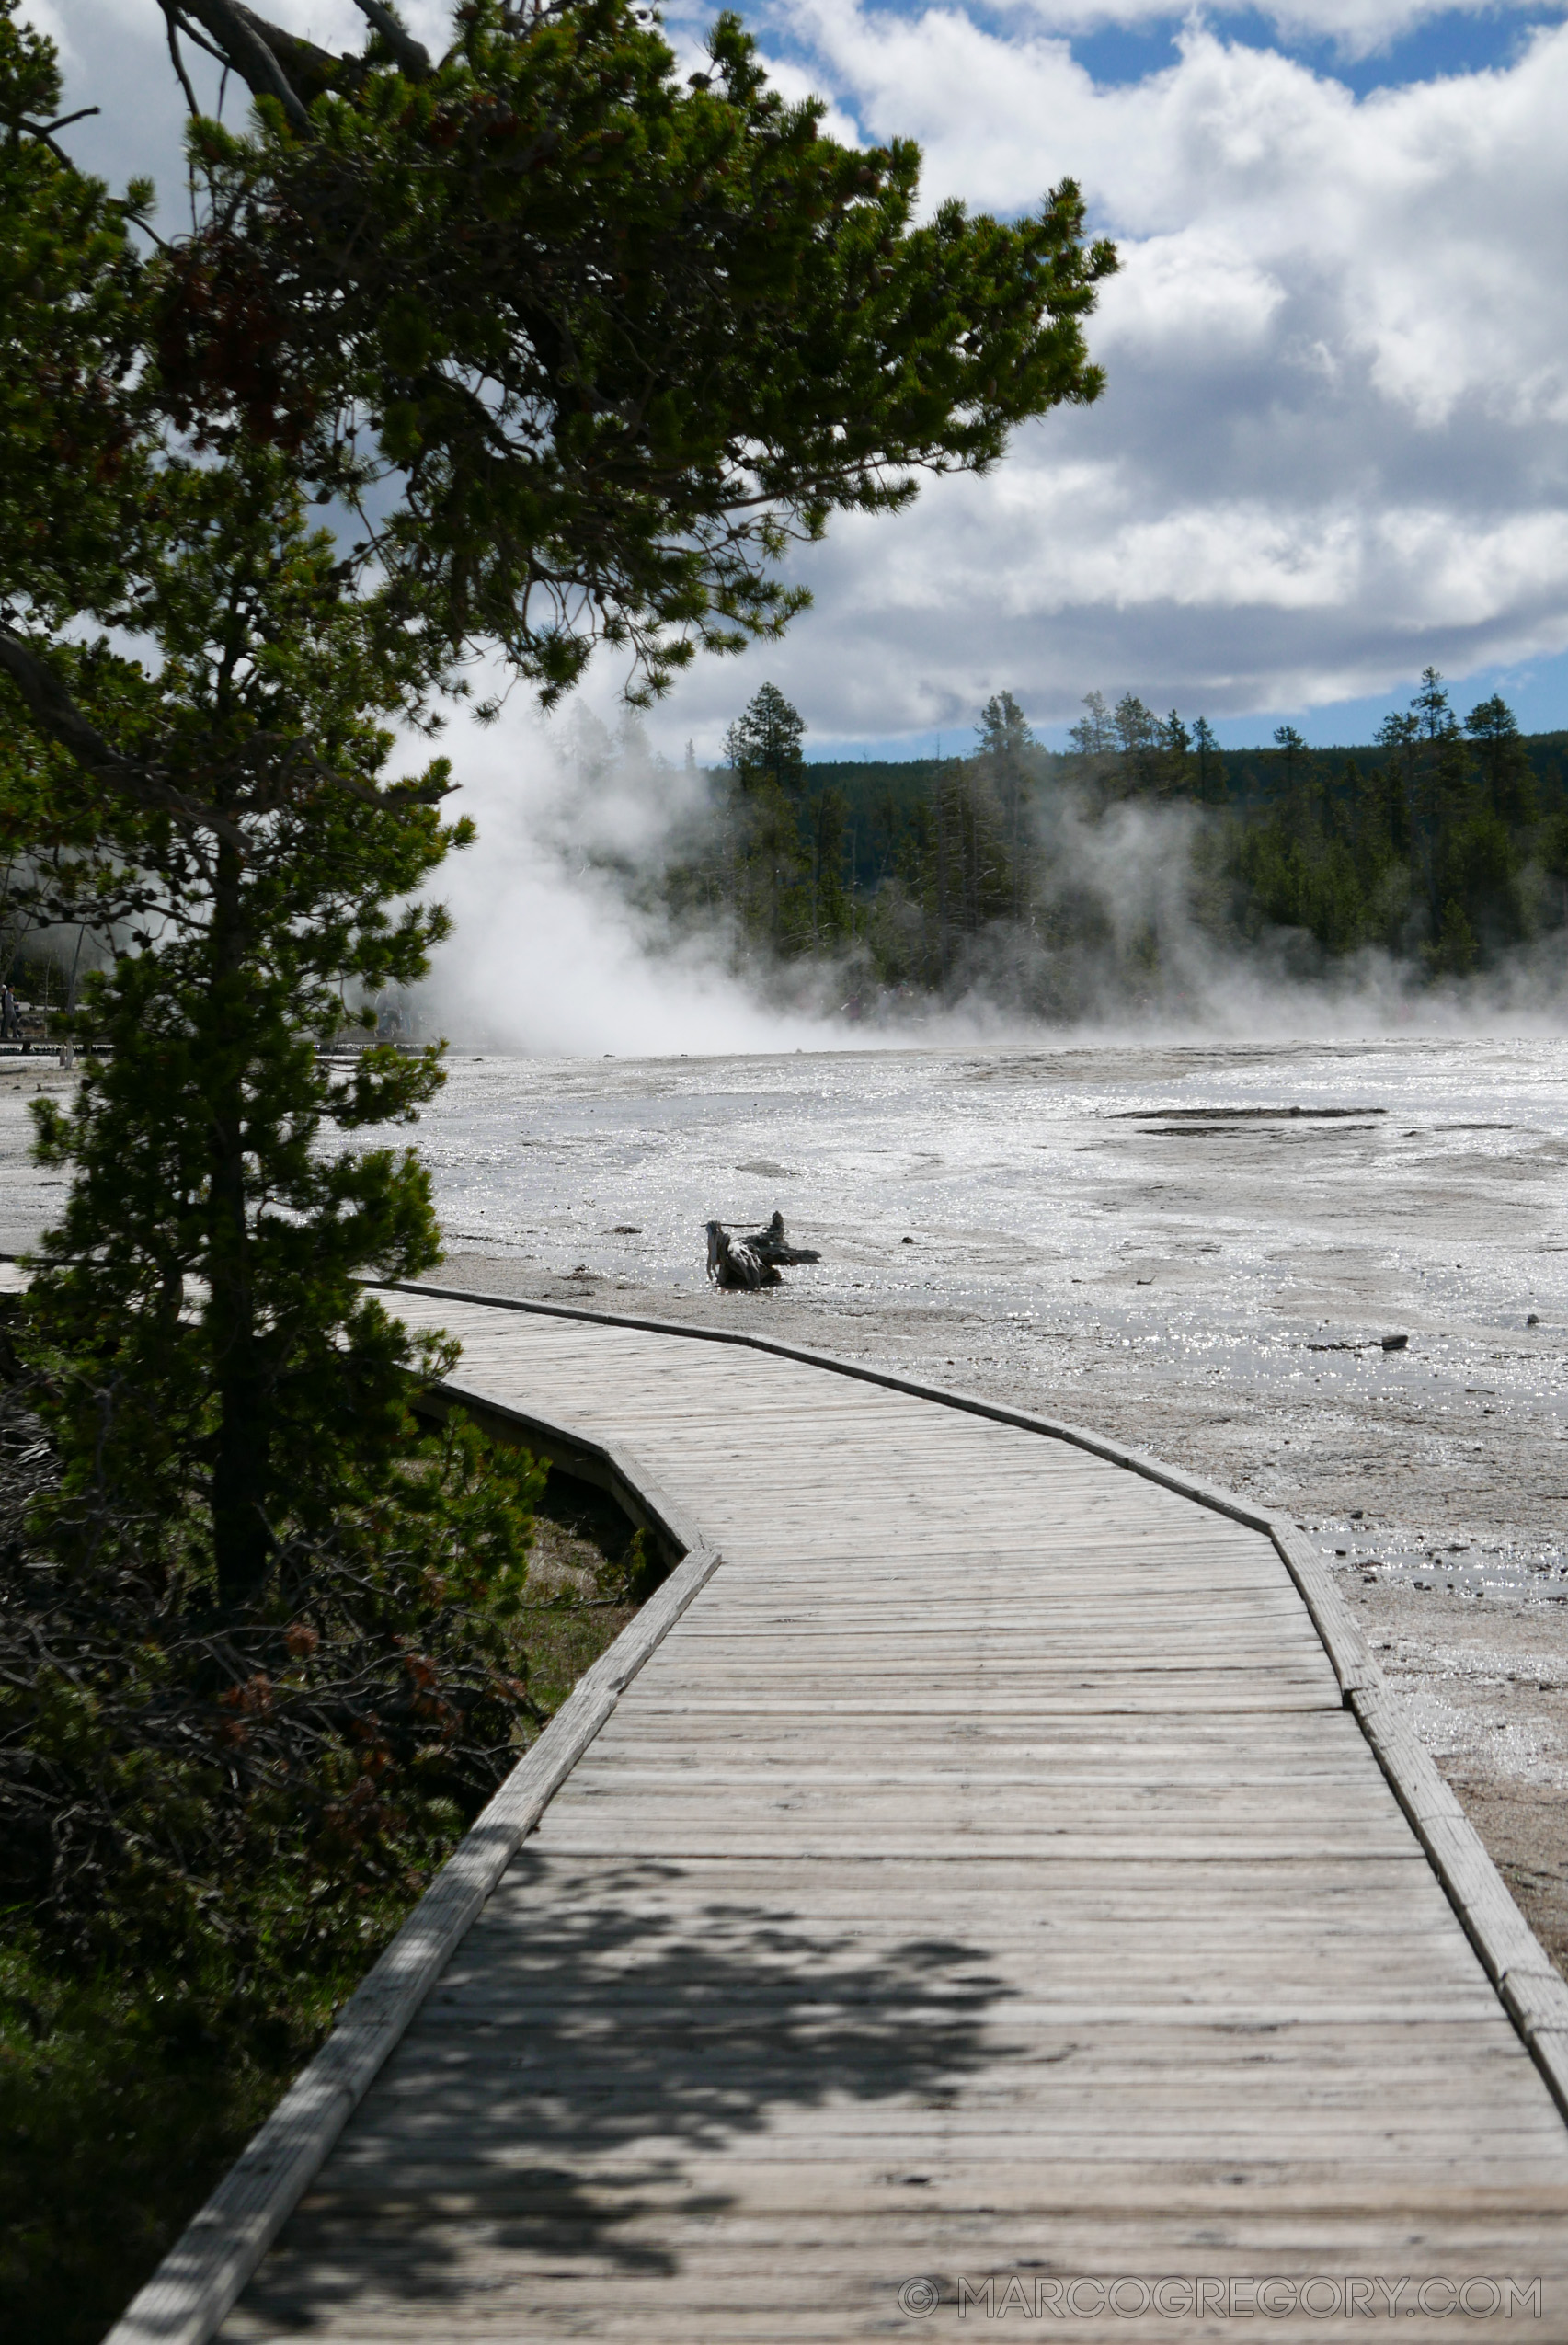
<point>562,946</point>
<point>553,954</point>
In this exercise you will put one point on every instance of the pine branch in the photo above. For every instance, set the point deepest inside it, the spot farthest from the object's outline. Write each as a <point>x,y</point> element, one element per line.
<point>135,780</point>
<point>43,131</point>
<point>54,712</point>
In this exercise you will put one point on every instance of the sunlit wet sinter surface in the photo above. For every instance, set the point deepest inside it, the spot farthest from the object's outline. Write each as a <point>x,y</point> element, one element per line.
<point>1070,1189</point>
<point>1011,1168</point>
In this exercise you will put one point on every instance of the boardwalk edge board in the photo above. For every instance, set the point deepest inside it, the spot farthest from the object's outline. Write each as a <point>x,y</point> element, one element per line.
<point>1532,1992</point>
<point>604,1463</point>
<point>202,2274</point>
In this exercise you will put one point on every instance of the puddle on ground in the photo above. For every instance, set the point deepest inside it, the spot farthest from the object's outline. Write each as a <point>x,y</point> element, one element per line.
<point>1498,1575</point>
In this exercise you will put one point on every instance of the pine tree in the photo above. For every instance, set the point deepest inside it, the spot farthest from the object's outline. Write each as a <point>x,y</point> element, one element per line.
<point>963,872</point>
<point>1176,747</point>
<point>763,745</point>
<point>236,922</point>
<point>1293,750</point>
<point>1504,763</point>
<point>260,1645</point>
<point>1454,952</point>
<point>1138,740</point>
<point>1431,708</point>
<point>1397,736</point>
<point>1555,858</point>
<point>1094,735</point>
<point>1006,743</point>
<point>830,903</point>
<point>1477,868</point>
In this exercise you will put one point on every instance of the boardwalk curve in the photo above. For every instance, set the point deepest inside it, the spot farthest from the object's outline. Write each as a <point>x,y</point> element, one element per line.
<point>990,1881</point>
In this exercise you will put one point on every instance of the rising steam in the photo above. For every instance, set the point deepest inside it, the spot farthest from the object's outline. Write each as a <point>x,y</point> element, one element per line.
<point>563,945</point>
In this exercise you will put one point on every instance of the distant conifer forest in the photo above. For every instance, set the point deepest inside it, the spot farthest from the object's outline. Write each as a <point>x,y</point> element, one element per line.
<point>1131,868</point>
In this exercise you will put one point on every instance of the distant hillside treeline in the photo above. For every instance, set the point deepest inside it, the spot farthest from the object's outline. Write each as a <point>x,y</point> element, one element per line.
<point>1056,881</point>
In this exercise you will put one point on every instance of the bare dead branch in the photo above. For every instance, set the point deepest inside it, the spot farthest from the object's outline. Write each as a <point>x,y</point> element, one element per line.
<point>43,131</point>
<point>62,122</point>
<point>414,58</point>
<point>177,62</point>
<point>242,39</point>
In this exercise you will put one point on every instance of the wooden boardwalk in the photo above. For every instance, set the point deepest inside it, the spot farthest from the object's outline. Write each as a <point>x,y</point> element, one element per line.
<point>984,1882</point>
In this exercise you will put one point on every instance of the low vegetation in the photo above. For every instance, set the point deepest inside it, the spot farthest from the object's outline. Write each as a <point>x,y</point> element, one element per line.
<point>211,1825</point>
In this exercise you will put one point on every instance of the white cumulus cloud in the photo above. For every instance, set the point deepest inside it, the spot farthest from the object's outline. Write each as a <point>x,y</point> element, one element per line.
<point>1332,443</point>
<point>1335,440</point>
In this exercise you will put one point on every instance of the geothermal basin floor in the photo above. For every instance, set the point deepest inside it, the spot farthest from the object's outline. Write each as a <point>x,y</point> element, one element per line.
<point>984,1897</point>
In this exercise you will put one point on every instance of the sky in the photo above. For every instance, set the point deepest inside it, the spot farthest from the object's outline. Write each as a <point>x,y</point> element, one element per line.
<point>1333,447</point>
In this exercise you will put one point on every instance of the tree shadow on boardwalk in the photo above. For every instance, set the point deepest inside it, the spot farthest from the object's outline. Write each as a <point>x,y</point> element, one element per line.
<point>604,2028</point>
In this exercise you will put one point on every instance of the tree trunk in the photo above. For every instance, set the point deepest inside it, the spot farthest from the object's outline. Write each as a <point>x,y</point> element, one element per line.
<point>241,1475</point>
<point>943,953</point>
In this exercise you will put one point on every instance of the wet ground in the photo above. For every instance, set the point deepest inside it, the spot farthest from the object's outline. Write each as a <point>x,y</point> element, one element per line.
<point>1202,1252</point>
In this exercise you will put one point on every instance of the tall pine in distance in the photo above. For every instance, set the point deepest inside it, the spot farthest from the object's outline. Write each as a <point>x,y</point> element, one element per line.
<point>1442,844</point>
<point>779,862</point>
<point>1005,741</point>
<point>765,744</point>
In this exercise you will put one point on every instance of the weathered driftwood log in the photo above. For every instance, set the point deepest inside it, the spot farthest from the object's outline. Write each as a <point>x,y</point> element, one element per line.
<point>732,1262</point>
<point>771,1245</point>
